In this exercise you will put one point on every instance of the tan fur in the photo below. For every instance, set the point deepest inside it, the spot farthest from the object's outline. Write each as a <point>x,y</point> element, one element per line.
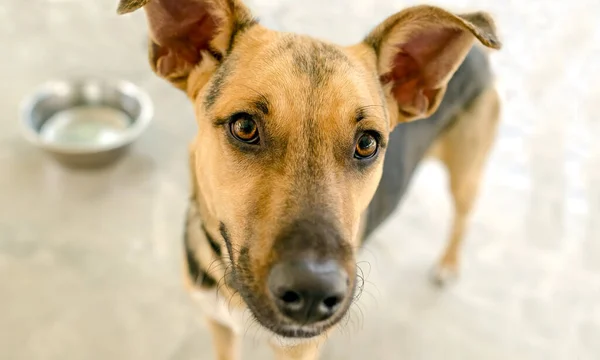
<point>464,151</point>
<point>306,351</point>
<point>226,342</point>
<point>306,93</point>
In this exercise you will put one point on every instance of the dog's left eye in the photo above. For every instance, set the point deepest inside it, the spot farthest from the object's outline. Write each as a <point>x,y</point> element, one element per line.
<point>366,146</point>
<point>244,129</point>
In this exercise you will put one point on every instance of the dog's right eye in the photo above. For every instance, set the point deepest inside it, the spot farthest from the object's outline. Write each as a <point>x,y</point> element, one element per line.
<point>244,129</point>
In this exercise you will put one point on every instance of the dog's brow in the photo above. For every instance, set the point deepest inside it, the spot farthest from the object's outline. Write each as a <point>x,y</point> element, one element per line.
<point>360,114</point>
<point>252,107</point>
<point>262,104</point>
<point>364,112</point>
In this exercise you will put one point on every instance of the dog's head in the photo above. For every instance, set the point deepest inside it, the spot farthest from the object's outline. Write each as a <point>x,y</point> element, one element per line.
<point>292,136</point>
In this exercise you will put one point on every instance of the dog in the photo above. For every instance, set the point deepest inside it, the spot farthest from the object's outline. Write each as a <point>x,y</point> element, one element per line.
<point>305,147</point>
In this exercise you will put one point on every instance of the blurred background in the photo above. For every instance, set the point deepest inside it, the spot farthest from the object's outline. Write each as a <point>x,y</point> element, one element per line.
<point>90,260</point>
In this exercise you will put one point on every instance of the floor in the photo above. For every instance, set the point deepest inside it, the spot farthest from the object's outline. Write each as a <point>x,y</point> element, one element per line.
<point>89,260</point>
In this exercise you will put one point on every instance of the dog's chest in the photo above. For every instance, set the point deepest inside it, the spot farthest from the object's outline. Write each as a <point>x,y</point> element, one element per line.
<point>214,306</point>
<point>218,309</point>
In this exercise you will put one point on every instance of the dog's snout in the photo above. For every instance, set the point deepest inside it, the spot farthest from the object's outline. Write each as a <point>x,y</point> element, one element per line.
<point>308,291</point>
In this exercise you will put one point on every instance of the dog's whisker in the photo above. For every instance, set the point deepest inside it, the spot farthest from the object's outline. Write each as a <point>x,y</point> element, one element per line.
<point>365,262</point>
<point>233,294</point>
<point>363,284</point>
<point>214,265</point>
<point>347,319</point>
<point>222,281</point>
<point>361,319</point>
<point>250,323</point>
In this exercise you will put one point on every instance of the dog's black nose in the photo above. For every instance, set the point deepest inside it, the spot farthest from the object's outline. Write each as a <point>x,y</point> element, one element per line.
<point>308,291</point>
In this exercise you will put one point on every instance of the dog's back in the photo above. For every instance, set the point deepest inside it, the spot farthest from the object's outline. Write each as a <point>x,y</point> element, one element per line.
<point>409,142</point>
<point>461,134</point>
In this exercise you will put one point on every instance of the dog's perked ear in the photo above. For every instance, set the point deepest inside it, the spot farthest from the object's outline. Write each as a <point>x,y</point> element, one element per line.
<point>185,33</point>
<point>419,49</point>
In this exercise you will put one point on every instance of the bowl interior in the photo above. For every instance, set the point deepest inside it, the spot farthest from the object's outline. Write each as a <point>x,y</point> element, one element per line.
<point>85,116</point>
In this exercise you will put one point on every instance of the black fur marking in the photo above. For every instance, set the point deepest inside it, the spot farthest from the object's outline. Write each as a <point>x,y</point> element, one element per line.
<point>262,105</point>
<point>239,28</point>
<point>373,42</point>
<point>360,114</point>
<point>179,78</point>
<point>213,244</point>
<point>225,235</point>
<point>218,80</point>
<point>197,274</point>
<point>318,61</point>
<point>216,54</point>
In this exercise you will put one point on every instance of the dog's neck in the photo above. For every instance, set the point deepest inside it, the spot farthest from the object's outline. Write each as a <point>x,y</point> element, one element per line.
<point>206,250</point>
<point>206,217</point>
<point>208,221</point>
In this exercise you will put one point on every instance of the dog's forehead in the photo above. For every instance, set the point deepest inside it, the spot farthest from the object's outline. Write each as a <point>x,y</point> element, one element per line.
<point>290,57</point>
<point>296,74</point>
<point>317,60</point>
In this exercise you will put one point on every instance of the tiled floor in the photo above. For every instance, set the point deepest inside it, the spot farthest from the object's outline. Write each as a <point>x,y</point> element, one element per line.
<point>89,261</point>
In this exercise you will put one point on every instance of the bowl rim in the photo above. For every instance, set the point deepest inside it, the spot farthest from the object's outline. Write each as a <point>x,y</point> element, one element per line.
<point>48,88</point>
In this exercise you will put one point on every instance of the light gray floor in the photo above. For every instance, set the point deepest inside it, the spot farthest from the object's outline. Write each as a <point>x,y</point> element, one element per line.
<point>89,261</point>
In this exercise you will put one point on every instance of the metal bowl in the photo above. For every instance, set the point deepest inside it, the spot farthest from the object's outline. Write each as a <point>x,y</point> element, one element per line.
<point>85,123</point>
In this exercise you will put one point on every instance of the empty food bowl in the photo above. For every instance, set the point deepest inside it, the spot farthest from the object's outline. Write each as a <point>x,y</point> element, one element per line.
<point>85,123</point>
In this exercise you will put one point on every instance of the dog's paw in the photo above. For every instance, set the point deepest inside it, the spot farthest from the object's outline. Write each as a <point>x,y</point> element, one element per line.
<point>442,275</point>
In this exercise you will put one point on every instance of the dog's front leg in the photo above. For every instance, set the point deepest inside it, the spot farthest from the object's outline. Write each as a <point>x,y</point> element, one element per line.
<point>225,340</point>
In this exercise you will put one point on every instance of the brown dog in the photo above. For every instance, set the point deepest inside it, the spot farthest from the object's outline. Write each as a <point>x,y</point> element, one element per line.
<point>288,169</point>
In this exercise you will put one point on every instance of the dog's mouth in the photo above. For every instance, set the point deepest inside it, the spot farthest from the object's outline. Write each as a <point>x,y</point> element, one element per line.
<point>269,314</point>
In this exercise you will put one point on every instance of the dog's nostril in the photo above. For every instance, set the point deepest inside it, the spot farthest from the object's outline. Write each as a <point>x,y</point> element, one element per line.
<point>290,297</point>
<point>331,302</point>
<point>307,291</point>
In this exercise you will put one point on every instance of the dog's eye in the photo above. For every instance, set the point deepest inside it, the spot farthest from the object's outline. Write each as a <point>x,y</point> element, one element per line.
<point>244,129</point>
<point>366,146</point>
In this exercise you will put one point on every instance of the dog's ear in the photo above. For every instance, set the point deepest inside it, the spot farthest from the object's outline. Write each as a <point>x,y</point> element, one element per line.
<point>419,49</point>
<point>185,33</point>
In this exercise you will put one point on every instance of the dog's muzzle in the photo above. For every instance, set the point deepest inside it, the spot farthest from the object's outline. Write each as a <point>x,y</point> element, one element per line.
<point>310,282</point>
